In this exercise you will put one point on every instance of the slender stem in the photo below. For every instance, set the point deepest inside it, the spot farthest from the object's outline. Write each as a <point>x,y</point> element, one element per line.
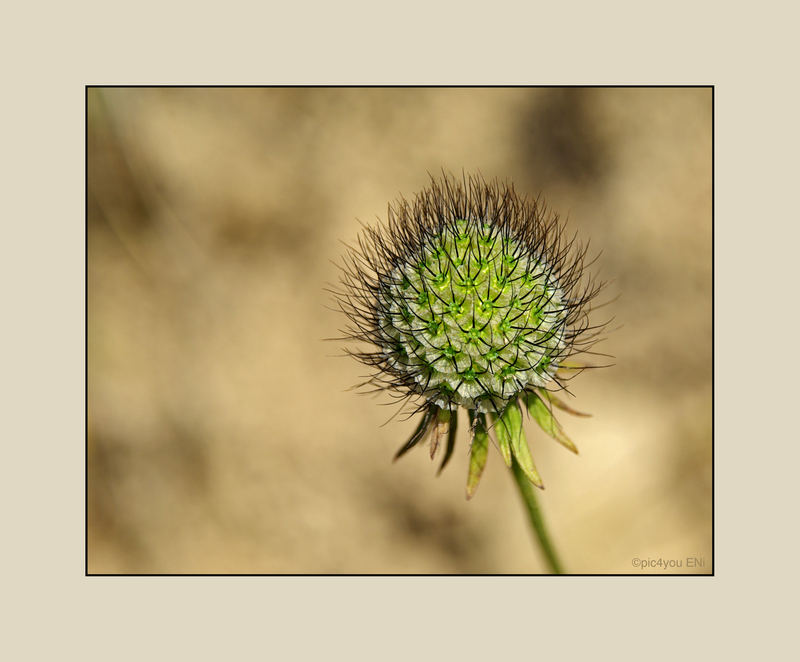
<point>526,490</point>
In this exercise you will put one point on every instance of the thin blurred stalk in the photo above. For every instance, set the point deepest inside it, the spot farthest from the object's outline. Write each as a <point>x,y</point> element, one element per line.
<point>535,516</point>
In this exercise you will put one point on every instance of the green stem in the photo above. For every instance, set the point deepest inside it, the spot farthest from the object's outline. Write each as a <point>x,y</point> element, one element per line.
<point>526,490</point>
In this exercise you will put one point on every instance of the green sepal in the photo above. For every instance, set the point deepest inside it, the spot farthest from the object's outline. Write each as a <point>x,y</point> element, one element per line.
<point>556,402</point>
<point>544,417</point>
<point>502,432</point>
<point>478,451</point>
<point>510,424</point>
<point>421,432</point>
<point>451,441</point>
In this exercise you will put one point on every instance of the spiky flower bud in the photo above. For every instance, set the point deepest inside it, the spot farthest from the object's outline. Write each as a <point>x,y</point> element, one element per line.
<point>470,296</point>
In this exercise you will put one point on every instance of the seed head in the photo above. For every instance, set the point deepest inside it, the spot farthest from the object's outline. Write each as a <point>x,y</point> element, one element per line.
<point>468,296</point>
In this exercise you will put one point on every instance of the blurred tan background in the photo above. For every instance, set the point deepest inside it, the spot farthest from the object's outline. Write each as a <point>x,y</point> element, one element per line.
<point>221,437</point>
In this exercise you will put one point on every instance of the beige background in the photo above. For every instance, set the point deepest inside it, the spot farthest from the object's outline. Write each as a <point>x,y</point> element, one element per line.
<point>52,610</point>
<point>221,438</point>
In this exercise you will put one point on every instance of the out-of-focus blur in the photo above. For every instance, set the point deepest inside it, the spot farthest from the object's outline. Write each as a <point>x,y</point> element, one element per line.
<point>222,438</point>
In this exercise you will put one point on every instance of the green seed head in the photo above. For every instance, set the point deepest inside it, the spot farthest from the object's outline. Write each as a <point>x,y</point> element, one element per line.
<point>473,317</point>
<point>468,296</point>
